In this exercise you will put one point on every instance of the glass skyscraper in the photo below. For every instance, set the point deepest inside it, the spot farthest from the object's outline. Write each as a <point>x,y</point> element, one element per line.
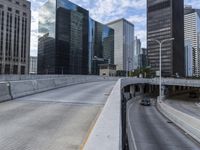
<point>101,45</point>
<point>165,19</point>
<point>69,39</point>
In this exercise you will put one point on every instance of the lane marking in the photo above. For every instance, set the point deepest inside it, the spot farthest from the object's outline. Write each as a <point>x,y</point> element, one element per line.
<point>81,147</point>
<point>132,135</point>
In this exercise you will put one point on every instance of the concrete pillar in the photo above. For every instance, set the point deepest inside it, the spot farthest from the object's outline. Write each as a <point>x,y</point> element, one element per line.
<point>141,89</point>
<point>132,90</point>
<point>163,88</point>
<point>150,88</point>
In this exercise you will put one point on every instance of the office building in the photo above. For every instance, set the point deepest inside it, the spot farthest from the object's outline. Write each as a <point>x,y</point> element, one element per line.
<point>69,40</point>
<point>63,41</point>
<point>165,19</point>
<point>143,58</point>
<point>192,31</point>
<point>137,51</point>
<point>33,65</point>
<point>189,58</point>
<point>101,45</point>
<point>123,44</point>
<point>15,23</point>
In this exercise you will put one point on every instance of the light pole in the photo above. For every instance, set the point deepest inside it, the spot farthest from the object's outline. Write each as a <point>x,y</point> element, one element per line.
<point>160,44</point>
<point>129,61</point>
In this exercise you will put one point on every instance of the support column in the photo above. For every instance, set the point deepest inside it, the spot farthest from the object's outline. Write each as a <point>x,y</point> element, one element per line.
<point>141,89</point>
<point>132,90</point>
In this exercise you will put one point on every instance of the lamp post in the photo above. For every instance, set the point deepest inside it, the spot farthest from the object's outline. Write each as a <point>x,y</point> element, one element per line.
<point>160,44</point>
<point>129,61</point>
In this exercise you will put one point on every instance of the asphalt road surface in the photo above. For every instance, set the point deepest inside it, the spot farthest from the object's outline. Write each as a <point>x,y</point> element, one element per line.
<point>185,104</point>
<point>149,130</point>
<point>55,120</point>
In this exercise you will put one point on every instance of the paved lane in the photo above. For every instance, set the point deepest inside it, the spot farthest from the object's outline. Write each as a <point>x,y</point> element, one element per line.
<point>151,131</point>
<point>185,104</point>
<point>53,120</point>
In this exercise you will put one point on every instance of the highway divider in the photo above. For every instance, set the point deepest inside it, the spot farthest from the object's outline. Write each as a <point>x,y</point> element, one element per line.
<point>189,124</point>
<point>15,89</point>
<point>4,91</point>
<point>106,134</point>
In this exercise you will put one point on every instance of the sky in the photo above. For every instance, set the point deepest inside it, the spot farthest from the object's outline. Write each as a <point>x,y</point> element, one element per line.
<point>105,11</point>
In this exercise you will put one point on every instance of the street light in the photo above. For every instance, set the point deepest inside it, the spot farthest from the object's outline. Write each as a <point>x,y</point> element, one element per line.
<point>129,61</point>
<point>160,44</point>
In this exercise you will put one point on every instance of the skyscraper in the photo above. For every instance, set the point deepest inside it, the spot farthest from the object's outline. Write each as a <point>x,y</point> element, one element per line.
<point>123,44</point>
<point>165,19</point>
<point>137,51</point>
<point>101,45</point>
<point>15,22</point>
<point>69,39</point>
<point>63,42</point>
<point>192,31</point>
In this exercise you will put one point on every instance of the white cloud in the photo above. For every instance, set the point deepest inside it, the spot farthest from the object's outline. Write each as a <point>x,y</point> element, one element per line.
<point>105,11</point>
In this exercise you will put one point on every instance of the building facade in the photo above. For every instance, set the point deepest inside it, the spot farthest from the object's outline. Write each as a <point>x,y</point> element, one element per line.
<point>191,33</point>
<point>123,44</point>
<point>33,65</point>
<point>165,19</point>
<point>136,53</point>
<point>69,39</point>
<point>63,38</point>
<point>101,45</point>
<point>143,58</point>
<point>189,58</point>
<point>15,23</point>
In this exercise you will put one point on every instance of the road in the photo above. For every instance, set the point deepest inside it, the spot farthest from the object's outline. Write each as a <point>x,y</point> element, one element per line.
<point>185,104</point>
<point>149,130</point>
<point>54,120</point>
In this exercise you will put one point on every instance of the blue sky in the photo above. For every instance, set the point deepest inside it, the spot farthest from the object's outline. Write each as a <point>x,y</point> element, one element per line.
<point>105,11</point>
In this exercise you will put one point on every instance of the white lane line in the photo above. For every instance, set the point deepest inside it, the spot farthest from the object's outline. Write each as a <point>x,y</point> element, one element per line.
<point>132,136</point>
<point>198,104</point>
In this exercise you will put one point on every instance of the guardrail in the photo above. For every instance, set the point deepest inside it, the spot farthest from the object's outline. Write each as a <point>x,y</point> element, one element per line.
<point>106,134</point>
<point>189,124</point>
<point>15,89</point>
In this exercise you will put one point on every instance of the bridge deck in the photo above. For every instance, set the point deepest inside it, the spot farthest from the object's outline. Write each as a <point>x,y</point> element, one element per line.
<point>58,119</point>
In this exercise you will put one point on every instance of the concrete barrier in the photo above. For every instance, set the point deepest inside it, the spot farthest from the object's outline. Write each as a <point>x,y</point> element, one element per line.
<point>106,134</point>
<point>22,88</point>
<point>189,124</point>
<point>45,85</point>
<point>4,92</point>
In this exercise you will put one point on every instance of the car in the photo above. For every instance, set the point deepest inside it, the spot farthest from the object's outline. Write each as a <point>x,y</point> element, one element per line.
<point>145,102</point>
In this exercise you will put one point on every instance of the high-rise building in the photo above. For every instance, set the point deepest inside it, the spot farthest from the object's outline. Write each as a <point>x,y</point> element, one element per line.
<point>136,52</point>
<point>192,32</point>
<point>101,45</point>
<point>33,65</point>
<point>69,40</point>
<point>123,44</point>
<point>189,58</point>
<point>15,23</point>
<point>63,41</point>
<point>143,58</point>
<point>165,19</point>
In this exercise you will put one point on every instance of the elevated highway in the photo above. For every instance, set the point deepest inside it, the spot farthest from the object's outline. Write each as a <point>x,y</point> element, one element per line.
<point>54,120</point>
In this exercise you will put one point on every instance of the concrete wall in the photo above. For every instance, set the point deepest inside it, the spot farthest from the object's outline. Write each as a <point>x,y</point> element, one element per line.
<point>4,92</point>
<point>15,89</point>
<point>189,124</point>
<point>106,134</point>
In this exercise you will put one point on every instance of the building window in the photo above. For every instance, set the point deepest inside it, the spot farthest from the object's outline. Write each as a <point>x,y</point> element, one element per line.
<point>9,9</point>
<point>17,11</point>
<point>17,2</point>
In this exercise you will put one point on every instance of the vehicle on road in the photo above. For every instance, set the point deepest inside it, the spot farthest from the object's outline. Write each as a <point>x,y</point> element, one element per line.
<point>145,102</point>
